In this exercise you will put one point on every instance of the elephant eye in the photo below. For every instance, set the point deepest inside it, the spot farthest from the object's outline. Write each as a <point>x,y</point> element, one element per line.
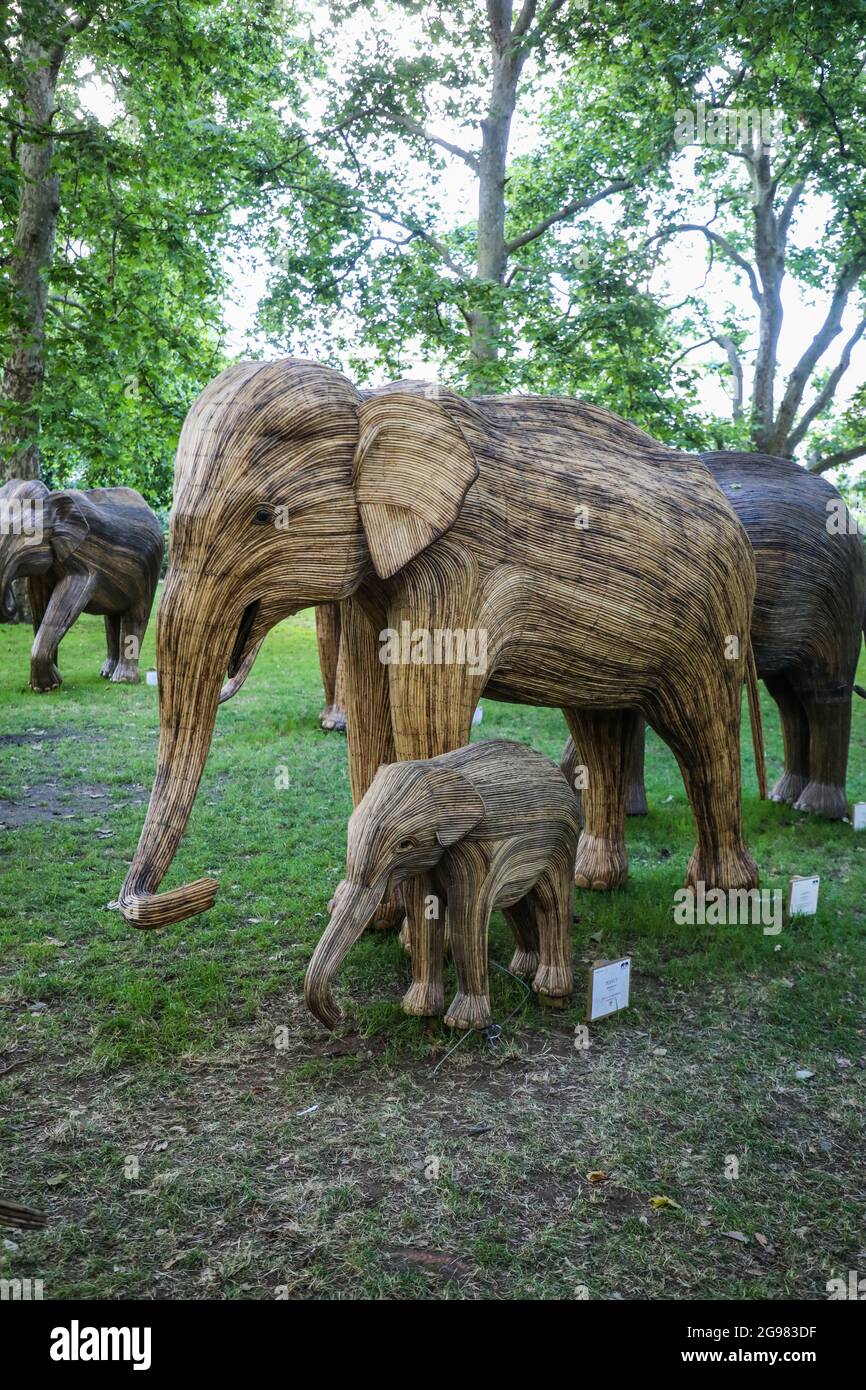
<point>263,516</point>
<point>406,844</point>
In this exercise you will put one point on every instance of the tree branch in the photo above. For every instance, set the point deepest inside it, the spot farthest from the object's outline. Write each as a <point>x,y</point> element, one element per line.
<point>416,128</point>
<point>722,242</point>
<point>799,377</point>
<point>827,392</point>
<point>791,202</point>
<point>736,366</point>
<point>821,465</point>
<point>569,210</point>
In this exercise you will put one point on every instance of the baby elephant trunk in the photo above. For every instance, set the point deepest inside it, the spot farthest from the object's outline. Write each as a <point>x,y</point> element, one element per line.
<point>354,905</point>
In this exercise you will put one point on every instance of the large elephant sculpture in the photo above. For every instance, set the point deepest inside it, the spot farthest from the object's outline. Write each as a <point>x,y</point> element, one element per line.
<point>537,548</point>
<point>807,623</point>
<point>98,551</point>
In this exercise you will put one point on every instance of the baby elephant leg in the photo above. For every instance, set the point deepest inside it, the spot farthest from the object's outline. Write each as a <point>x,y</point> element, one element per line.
<point>469,906</point>
<point>550,903</point>
<point>523,921</point>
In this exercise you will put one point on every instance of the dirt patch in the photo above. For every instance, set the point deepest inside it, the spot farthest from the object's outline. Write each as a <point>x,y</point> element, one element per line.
<point>35,737</point>
<point>47,801</point>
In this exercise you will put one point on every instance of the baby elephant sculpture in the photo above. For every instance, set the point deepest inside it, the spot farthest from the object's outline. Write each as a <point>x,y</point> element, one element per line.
<point>495,825</point>
<point>98,551</point>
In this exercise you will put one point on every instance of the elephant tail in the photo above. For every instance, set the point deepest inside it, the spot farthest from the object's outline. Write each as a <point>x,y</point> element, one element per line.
<point>755,721</point>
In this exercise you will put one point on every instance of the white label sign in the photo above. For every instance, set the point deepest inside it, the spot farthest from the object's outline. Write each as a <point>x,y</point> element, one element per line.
<point>860,815</point>
<point>803,896</point>
<point>608,989</point>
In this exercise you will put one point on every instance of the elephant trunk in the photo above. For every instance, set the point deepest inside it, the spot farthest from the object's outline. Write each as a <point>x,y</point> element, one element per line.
<point>354,905</point>
<point>192,654</point>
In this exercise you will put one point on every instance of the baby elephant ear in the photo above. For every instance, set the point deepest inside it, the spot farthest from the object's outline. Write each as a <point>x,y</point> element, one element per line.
<point>457,807</point>
<point>68,524</point>
<point>413,468</point>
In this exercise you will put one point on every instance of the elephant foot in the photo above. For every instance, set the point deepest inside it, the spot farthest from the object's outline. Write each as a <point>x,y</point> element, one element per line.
<point>635,801</point>
<point>524,964</point>
<point>125,673</point>
<point>823,799</point>
<point>723,868</point>
<point>107,668</point>
<point>469,1011</point>
<point>600,863</point>
<point>44,678</point>
<point>424,999</point>
<point>554,981</point>
<point>789,787</point>
<point>333,719</point>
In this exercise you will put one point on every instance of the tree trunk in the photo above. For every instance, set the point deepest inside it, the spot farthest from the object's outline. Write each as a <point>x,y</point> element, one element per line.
<point>770,260</point>
<point>39,206</point>
<point>491,255</point>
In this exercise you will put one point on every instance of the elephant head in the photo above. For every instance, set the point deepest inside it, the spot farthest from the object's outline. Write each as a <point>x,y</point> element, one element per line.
<point>38,529</point>
<point>288,492</point>
<point>411,813</point>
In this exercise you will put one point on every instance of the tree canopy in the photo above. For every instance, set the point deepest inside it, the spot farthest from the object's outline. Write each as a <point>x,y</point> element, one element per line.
<point>499,192</point>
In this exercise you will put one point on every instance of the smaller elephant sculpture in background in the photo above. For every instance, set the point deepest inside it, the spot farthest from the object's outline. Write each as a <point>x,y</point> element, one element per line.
<point>495,825</point>
<point>98,551</point>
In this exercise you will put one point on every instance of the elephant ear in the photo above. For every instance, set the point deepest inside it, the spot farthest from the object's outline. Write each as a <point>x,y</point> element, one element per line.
<point>68,525</point>
<point>458,808</point>
<point>413,468</point>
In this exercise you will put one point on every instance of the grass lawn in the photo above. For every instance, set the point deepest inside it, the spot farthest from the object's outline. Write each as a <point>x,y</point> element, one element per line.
<point>194,1133</point>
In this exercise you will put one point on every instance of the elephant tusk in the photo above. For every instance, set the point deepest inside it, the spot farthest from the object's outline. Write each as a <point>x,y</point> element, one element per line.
<point>233,685</point>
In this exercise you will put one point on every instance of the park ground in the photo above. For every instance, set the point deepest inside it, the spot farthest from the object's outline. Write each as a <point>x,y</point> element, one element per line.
<point>193,1133</point>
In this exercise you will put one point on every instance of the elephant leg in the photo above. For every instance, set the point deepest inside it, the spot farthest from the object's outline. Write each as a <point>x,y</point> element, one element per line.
<point>795,741</point>
<point>469,909</point>
<point>431,708</point>
<point>368,713</point>
<point>704,736</point>
<point>523,922</point>
<point>426,918</point>
<point>635,798</point>
<point>132,629</point>
<point>40,589</point>
<point>329,624</point>
<point>602,740</point>
<point>829,733</point>
<point>67,602</point>
<point>551,901</point>
<point>112,643</point>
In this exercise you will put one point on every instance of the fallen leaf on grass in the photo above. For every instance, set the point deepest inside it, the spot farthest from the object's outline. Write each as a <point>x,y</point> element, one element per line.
<point>597,1175</point>
<point>660,1202</point>
<point>736,1235</point>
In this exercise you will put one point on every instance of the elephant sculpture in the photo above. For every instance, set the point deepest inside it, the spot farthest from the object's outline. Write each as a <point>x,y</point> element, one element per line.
<point>98,551</point>
<point>539,549</point>
<point>495,826</point>
<point>329,628</point>
<point>807,624</point>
